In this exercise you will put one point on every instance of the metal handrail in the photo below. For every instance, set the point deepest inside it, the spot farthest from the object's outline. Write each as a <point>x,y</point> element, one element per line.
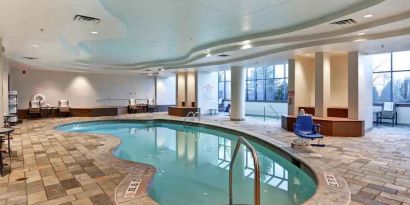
<point>256,183</point>
<point>189,113</point>
<point>274,111</point>
<point>196,114</point>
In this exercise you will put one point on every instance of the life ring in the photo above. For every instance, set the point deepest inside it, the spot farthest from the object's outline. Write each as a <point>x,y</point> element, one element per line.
<point>40,98</point>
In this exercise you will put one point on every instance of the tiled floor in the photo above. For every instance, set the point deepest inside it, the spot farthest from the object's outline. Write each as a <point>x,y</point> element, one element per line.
<point>57,168</point>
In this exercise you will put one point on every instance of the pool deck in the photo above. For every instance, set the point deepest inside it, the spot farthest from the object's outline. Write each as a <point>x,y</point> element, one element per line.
<point>51,167</point>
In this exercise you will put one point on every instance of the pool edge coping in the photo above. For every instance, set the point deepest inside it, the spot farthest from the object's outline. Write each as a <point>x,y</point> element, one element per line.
<point>324,193</point>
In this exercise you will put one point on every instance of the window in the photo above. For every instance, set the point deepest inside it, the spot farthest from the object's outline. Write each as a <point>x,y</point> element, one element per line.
<point>267,84</point>
<point>263,84</point>
<point>391,77</point>
<point>224,85</point>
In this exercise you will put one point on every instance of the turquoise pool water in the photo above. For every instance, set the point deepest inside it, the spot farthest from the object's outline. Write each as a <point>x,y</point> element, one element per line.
<point>193,162</point>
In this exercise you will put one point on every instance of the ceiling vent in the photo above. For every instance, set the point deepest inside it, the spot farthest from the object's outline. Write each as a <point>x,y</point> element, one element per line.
<point>223,55</point>
<point>344,22</point>
<point>30,58</point>
<point>86,19</point>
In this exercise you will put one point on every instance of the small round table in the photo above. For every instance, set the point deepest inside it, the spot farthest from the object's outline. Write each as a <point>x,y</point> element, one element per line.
<point>7,131</point>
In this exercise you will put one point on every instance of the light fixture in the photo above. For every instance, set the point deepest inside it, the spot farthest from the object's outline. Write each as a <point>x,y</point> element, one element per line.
<point>208,55</point>
<point>161,69</point>
<point>35,45</point>
<point>94,32</point>
<point>361,34</point>
<point>246,46</point>
<point>360,40</point>
<point>246,42</point>
<point>368,16</point>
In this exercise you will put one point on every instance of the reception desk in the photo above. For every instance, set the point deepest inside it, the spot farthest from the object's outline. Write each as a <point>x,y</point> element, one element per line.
<point>331,126</point>
<point>181,111</point>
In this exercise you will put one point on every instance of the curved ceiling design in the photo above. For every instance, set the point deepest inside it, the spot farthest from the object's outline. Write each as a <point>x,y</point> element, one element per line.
<point>139,35</point>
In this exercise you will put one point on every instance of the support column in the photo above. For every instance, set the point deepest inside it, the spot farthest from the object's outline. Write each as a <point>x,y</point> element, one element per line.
<point>238,89</point>
<point>4,85</point>
<point>291,87</point>
<point>360,96</point>
<point>322,83</point>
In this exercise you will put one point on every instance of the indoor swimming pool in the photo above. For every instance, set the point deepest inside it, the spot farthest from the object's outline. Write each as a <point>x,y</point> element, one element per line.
<point>192,163</point>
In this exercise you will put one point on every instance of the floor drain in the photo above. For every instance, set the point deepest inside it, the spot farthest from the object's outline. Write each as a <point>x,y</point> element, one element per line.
<point>21,179</point>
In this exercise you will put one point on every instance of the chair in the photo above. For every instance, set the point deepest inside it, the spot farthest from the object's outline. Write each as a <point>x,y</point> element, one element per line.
<point>141,105</point>
<point>307,131</point>
<point>132,106</point>
<point>63,107</point>
<point>228,109</point>
<point>34,108</point>
<point>388,112</point>
<point>152,107</point>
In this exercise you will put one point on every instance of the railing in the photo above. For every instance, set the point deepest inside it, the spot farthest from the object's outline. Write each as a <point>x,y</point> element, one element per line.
<point>192,119</point>
<point>274,112</point>
<point>196,114</point>
<point>256,188</point>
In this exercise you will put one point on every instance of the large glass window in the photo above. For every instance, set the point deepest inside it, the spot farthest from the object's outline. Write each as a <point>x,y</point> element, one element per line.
<point>264,84</point>
<point>224,85</point>
<point>391,77</point>
<point>267,84</point>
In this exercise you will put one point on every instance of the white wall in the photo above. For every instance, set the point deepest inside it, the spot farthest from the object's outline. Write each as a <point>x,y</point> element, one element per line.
<point>338,81</point>
<point>81,89</point>
<point>166,90</point>
<point>256,108</point>
<point>207,91</point>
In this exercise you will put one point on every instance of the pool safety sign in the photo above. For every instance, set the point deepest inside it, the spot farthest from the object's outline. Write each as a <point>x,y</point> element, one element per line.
<point>132,188</point>
<point>331,179</point>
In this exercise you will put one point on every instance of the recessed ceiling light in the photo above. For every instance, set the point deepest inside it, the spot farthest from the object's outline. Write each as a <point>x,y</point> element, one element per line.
<point>361,34</point>
<point>246,46</point>
<point>246,42</point>
<point>94,32</point>
<point>360,39</point>
<point>208,55</point>
<point>368,16</point>
<point>35,45</point>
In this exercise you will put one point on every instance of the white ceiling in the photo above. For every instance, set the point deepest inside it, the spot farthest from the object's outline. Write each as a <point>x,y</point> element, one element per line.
<point>146,34</point>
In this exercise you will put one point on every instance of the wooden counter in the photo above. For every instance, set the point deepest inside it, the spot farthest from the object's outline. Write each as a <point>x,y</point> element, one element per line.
<point>86,112</point>
<point>181,111</point>
<point>338,112</point>
<point>331,126</point>
<point>308,110</point>
<point>98,111</point>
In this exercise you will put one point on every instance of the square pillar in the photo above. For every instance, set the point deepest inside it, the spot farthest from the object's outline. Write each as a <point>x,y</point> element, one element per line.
<point>291,88</point>
<point>322,83</point>
<point>360,95</point>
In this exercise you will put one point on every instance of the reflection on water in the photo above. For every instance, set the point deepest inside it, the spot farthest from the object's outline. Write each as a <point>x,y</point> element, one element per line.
<point>192,164</point>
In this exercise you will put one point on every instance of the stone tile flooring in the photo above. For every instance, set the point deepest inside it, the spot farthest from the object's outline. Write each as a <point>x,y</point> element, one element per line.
<point>49,168</point>
<point>59,168</point>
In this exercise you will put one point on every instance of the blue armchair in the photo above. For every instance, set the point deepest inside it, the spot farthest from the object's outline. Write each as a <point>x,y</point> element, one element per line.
<point>228,109</point>
<point>307,131</point>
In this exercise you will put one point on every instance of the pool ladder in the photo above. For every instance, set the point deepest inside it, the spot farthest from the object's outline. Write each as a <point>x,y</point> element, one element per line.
<point>191,117</point>
<point>256,180</point>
